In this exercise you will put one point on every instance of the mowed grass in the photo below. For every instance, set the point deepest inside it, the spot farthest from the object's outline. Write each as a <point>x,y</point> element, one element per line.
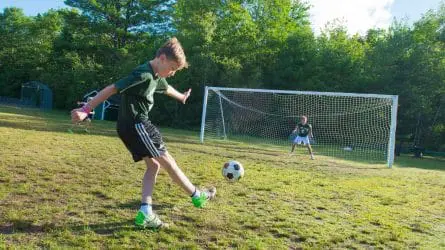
<point>62,190</point>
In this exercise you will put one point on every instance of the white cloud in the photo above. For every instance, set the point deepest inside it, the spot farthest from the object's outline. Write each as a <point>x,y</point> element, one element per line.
<point>360,15</point>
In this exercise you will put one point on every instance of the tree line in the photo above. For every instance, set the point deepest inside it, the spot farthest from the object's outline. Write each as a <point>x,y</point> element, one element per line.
<point>239,43</point>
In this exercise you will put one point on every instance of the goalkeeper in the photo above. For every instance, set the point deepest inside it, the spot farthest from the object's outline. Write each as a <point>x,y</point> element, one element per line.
<point>303,131</point>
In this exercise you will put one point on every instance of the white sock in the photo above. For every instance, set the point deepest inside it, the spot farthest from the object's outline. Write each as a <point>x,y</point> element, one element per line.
<point>196,194</point>
<point>146,209</point>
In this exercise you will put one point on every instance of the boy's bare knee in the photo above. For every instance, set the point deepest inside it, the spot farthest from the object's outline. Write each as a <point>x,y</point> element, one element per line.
<point>152,163</point>
<point>165,160</point>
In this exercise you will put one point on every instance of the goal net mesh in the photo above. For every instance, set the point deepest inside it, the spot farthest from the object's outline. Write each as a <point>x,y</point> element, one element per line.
<point>349,126</point>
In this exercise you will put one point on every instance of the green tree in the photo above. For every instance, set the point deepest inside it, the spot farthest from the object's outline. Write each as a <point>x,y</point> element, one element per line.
<point>340,59</point>
<point>26,45</point>
<point>121,21</point>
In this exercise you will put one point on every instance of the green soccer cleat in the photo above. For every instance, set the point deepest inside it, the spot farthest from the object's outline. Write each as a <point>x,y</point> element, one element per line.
<point>148,222</point>
<point>206,195</point>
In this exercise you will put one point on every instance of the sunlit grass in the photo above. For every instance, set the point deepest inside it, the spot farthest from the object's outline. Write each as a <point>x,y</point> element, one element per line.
<point>62,190</point>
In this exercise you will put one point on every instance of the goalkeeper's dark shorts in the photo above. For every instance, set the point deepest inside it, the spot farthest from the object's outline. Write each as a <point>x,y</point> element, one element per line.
<point>141,139</point>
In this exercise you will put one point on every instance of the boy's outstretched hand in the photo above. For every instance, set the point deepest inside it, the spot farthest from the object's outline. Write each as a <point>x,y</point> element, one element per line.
<point>78,115</point>
<point>186,95</point>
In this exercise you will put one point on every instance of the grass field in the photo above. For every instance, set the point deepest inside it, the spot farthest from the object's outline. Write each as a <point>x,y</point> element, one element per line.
<point>62,190</point>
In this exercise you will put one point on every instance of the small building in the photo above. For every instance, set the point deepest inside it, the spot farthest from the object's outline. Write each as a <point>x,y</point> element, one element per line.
<point>37,94</point>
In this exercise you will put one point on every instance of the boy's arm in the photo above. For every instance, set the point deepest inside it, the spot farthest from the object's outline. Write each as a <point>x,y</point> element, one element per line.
<point>80,114</point>
<point>310,132</point>
<point>182,97</point>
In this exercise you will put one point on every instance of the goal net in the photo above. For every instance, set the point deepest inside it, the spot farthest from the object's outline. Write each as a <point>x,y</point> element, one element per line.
<point>345,125</point>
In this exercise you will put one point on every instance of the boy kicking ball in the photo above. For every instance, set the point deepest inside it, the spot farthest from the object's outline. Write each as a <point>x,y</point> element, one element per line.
<point>140,136</point>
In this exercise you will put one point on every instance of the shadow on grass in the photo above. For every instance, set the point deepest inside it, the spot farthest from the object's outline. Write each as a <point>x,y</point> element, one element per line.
<point>52,126</point>
<point>428,163</point>
<point>59,121</point>
<point>29,227</point>
<point>26,226</point>
<point>281,148</point>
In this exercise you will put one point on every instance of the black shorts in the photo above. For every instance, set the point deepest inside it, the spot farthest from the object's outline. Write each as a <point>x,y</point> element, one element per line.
<point>141,139</point>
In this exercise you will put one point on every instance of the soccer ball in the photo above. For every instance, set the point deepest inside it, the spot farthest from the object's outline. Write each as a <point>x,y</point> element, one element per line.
<point>233,171</point>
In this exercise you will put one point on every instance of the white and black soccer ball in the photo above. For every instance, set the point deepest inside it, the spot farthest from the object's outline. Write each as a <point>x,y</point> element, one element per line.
<point>233,171</point>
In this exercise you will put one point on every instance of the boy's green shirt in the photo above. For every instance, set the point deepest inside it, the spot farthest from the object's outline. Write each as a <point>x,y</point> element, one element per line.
<point>137,90</point>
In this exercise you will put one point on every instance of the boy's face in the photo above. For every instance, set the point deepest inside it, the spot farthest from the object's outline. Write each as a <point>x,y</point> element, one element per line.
<point>303,120</point>
<point>166,68</point>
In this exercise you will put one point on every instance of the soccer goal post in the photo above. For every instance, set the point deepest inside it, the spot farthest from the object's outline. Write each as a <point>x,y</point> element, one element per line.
<point>350,126</point>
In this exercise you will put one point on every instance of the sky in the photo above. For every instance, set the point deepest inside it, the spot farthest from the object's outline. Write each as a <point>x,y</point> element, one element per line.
<point>361,15</point>
<point>358,15</point>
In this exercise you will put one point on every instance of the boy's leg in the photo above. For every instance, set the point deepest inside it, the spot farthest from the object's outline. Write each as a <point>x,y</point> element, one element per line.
<point>293,148</point>
<point>149,179</point>
<point>198,198</point>
<point>173,170</point>
<point>149,143</point>
<point>310,150</point>
<point>145,217</point>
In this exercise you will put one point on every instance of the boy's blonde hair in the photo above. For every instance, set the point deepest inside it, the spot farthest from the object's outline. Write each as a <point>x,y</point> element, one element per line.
<point>172,49</point>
